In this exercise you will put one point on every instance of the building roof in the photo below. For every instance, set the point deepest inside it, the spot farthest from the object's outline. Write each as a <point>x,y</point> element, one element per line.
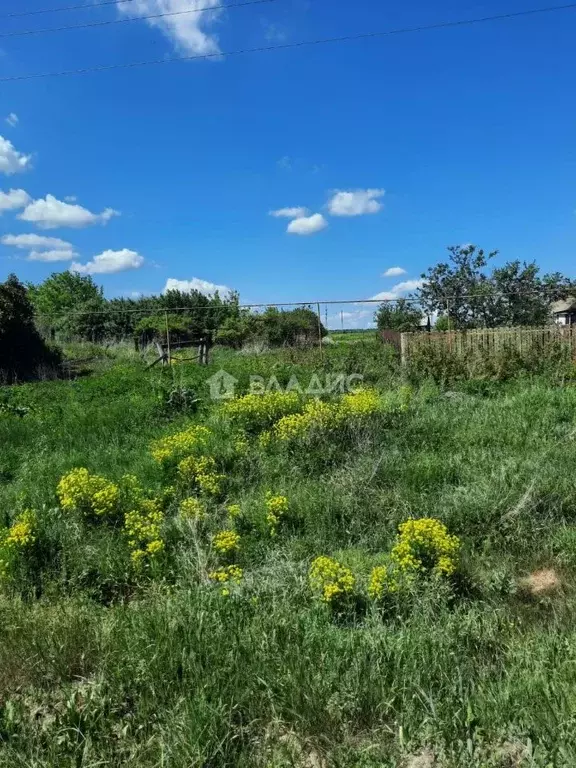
<point>564,305</point>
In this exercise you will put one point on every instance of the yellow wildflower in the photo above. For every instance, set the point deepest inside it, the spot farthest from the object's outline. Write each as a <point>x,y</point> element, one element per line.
<point>226,542</point>
<point>382,582</point>
<point>330,580</point>
<point>174,447</point>
<point>234,510</point>
<point>425,546</point>
<point>256,412</point>
<point>192,508</point>
<point>79,491</point>
<point>201,471</point>
<point>276,507</point>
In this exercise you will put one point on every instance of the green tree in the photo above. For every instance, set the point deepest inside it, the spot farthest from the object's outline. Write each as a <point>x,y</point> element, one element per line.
<point>464,291</point>
<point>70,304</point>
<point>401,315</point>
<point>22,349</point>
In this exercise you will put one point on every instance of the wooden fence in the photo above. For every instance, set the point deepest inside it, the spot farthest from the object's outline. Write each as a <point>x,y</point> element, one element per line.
<point>490,341</point>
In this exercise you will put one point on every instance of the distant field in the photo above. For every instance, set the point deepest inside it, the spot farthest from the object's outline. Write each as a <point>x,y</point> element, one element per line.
<point>177,624</point>
<point>352,336</point>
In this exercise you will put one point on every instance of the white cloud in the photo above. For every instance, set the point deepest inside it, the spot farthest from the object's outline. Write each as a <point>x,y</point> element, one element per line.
<point>307,225</point>
<point>398,290</point>
<point>360,318</point>
<point>12,161</point>
<point>64,254</point>
<point>355,202</point>
<point>12,119</point>
<point>290,213</point>
<point>394,272</point>
<point>186,31</point>
<point>15,198</point>
<point>35,241</point>
<point>109,262</point>
<point>50,213</point>
<point>195,284</point>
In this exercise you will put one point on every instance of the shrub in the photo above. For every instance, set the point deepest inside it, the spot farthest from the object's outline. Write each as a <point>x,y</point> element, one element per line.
<point>23,352</point>
<point>330,581</point>
<point>254,412</point>
<point>425,546</point>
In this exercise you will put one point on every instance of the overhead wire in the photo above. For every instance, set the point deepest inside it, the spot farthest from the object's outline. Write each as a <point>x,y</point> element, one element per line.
<point>108,22</point>
<point>80,7</point>
<point>289,46</point>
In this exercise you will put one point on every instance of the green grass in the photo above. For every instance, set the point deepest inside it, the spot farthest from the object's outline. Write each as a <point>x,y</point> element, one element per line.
<point>99,670</point>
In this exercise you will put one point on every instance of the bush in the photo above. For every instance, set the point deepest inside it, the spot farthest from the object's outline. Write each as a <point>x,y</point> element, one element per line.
<point>23,352</point>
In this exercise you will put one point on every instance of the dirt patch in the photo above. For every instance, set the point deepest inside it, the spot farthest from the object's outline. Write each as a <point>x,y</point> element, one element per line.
<point>424,759</point>
<point>542,583</point>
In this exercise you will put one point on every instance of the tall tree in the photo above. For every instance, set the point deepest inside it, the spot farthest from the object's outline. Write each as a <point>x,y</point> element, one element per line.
<point>401,315</point>
<point>22,349</point>
<point>69,303</point>
<point>464,291</point>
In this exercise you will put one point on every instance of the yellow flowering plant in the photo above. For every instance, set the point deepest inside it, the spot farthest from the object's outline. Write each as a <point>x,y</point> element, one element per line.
<point>256,412</point>
<point>226,577</point>
<point>425,546</point>
<point>383,582</point>
<point>16,539</point>
<point>142,528</point>
<point>277,507</point>
<point>330,581</point>
<point>226,543</point>
<point>92,495</point>
<point>192,508</point>
<point>172,448</point>
<point>200,472</point>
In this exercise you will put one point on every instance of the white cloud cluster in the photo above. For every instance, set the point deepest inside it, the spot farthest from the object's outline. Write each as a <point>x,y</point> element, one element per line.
<point>342,203</point>
<point>109,262</point>
<point>355,202</point>
<point>12,161</point>
<point>12,200</point>
<point>394,272</point>
<point>50,213</point>
<point>195,284</point>
<point>307,225</point>
<point>12,119</point>
<point>186,31</point>
<point>33,240</point>
<point>290,213</point>
<point>398,290</point>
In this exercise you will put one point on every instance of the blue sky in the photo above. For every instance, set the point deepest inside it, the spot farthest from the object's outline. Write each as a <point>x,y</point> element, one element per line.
<point>441,137</point>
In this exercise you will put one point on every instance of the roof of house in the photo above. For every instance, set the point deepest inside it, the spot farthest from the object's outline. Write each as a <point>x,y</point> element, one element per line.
<point>564,305</point>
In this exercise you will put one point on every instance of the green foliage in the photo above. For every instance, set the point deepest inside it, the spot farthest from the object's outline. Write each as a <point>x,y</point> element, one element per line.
<point>401,315</point>
<point>273,327</point>
<point>205,661</point>
<point>462,290</point>
<point>23,353</point>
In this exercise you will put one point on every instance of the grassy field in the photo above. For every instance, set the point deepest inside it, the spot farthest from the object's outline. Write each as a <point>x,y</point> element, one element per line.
<point>112,659</point>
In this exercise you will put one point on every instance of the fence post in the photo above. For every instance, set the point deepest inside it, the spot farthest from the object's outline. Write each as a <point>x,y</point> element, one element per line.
<point>320,330</point>
<point>403,346</point>
<point>168,352</point>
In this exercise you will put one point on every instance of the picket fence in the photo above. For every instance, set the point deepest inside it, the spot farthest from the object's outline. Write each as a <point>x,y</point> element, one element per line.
<point>486,341</point>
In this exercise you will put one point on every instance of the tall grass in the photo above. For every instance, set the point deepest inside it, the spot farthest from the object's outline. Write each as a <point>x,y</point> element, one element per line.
<point>96,669</point>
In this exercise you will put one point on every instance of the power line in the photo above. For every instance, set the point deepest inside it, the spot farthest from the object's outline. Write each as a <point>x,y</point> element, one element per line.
<point>82,7</point>
<point>161,310</point>
<point>286,46</point>
<point>19,33</point>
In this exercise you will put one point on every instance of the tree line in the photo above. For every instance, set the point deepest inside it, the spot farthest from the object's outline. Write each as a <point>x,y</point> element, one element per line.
<point>35,319</point>
<point>464,292</point>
